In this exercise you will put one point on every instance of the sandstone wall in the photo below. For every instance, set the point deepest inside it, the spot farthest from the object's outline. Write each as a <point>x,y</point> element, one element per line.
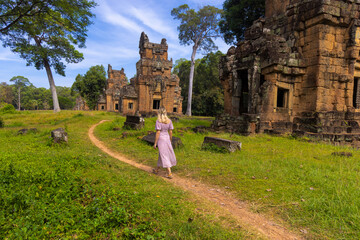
<point>302,58</point>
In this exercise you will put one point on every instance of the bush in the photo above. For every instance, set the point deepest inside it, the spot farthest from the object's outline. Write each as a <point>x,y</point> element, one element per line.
<point>2,124</point>
<point>7,108</point>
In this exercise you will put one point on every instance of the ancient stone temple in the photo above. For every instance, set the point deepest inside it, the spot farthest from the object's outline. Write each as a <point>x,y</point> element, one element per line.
<point>109,101</point>
<point>153,86</point>
<point>298,70</point>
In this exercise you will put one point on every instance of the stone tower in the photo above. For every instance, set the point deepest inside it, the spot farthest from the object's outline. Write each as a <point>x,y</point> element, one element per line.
<point>155,85</point>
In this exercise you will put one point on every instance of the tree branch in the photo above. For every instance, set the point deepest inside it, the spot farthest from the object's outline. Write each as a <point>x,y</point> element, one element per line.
<point>20,16</point>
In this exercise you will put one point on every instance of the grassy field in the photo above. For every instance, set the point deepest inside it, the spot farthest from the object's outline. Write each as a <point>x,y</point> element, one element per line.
<point>299,182</point>
<point>75,191</point>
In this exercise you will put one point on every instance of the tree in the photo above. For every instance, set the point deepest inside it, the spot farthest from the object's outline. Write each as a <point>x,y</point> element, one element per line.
<point>66,100</point>
<point>208,92</point>
<point>198,29</point>
<point>20,82</point>
<point>239,15</point>
<point>6,93</point>
<point>91,85</point>
<point>48,38</point>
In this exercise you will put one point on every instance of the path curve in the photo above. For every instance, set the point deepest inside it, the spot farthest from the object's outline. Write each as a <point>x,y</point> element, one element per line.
<point>237,209</point>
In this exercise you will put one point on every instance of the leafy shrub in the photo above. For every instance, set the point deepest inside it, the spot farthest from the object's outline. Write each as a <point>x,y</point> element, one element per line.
<point>7,108</point>
<point>2,124</point>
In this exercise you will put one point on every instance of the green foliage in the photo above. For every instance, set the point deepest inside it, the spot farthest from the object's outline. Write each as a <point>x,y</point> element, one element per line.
<point>6,93</point>
<point>2,123</point>
<point>12,12</point>
<point>208,93</point>
<point>37,98</point>
<point>33,98</point>
<point>7,108</point>
<point>91,85</point>
<point>239,15</point>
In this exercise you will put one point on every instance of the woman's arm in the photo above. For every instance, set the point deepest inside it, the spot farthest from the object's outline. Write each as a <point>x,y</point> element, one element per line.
<point>170,134</point>
<point>156,138</point>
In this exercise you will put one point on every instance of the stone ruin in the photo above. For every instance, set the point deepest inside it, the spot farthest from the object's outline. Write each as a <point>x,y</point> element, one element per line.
<point>297,71</point>
<point>116,80</point>
<point>134,122</point>
<point>229,145</point>
<point>59,135</point>
<point>153,86</point>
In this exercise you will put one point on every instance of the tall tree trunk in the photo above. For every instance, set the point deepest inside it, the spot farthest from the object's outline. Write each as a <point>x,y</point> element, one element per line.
<point>19,99</point>
<point>191,78</point>
<point>52,86</point>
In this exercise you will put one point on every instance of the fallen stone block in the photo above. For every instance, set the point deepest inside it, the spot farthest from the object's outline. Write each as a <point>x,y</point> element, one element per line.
<point>229,145</point>
<point>134,122</point>
<point>59,135</point>
<point>150,138</point>
<point>26,130</point>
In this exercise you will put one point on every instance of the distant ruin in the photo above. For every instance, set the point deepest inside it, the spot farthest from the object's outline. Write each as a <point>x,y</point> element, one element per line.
<point>298,70</point>
<point>153,86</point>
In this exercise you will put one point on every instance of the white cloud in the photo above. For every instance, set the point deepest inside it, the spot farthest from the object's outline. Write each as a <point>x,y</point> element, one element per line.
<point>108,15</point>
<point>153,21</point>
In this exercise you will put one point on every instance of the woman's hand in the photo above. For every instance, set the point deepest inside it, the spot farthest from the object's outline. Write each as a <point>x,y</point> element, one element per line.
<point>154,146</point>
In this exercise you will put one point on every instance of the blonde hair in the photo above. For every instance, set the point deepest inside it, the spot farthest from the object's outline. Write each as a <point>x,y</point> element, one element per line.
<point>162,116</point>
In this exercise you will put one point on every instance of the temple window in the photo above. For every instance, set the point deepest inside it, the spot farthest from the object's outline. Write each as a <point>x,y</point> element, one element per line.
<point>156,104</point>
<point>356,94</point>
<point>282,98</point>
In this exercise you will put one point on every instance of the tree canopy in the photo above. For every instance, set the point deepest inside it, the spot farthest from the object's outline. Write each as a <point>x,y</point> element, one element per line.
<point>91,85</point>
<point>6,93</point>
<point>13,11</point>
<point>197,29</point>
<point>208,92</point>
<point>33,98</point>
<point>239,15</point>
<point>20,82</point>
<point>47,38</point>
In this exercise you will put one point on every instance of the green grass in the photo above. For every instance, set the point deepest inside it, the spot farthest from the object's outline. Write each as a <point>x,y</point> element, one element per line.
<point>297,181</point>
<point>75,191</point>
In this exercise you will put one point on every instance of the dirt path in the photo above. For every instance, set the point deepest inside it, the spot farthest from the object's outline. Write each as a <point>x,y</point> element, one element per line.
<point>254,222</point>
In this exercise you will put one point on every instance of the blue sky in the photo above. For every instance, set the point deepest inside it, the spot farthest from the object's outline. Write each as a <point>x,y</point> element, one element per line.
<point>114,39</point>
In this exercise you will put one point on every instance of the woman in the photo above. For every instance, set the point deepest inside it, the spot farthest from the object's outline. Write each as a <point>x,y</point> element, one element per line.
<point>163,139</point>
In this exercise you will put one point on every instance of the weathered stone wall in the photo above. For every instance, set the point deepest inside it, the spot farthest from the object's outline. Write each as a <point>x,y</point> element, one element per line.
<point>302,59</point>
<point>275,7</point>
